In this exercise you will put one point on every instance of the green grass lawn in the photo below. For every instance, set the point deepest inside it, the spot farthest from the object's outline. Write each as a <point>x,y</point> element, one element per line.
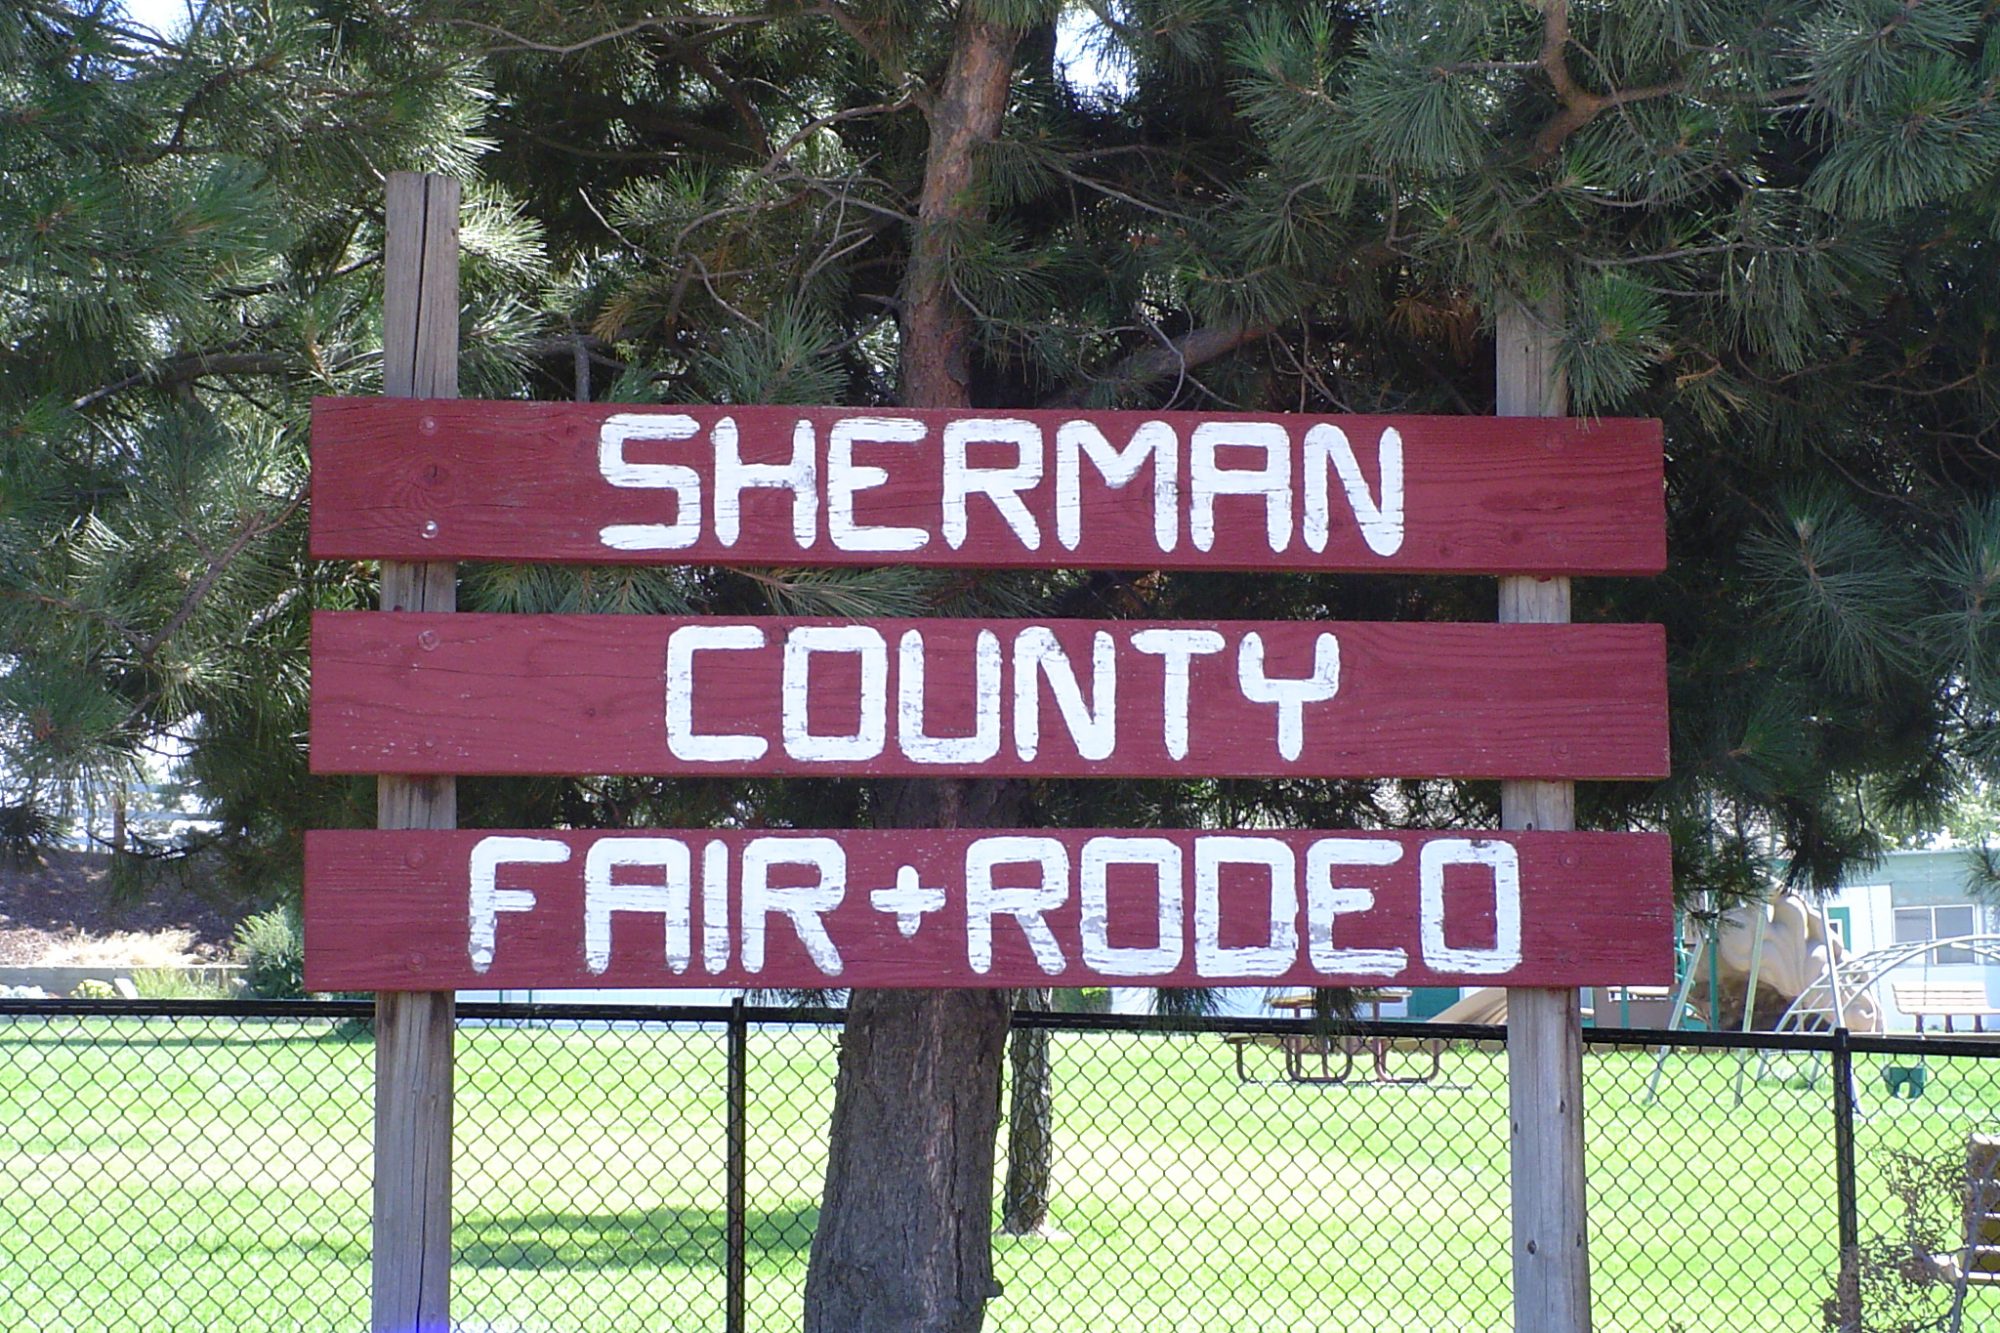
<point>213,1174</point>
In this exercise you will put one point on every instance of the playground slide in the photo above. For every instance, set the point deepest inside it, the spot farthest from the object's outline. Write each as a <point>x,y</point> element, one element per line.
<point>1795,956</point>
<point>1797,951</point>
<point>1483,1004</point>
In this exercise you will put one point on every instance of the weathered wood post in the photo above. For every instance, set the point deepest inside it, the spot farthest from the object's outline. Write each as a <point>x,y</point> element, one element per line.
<point>929,909</point>
<point>1544,1027</point>
<point>413,1029</point>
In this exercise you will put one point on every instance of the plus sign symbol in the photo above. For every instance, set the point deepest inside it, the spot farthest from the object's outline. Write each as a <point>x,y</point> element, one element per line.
<point>908,901</point>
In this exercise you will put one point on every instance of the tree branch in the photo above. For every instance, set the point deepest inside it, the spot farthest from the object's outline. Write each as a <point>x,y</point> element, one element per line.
<point>517,44</point>
<point>281,284</point>
<point>1175,356</point>
<point>248,531</point>
<point>1580,106</point>
<point>133,639</point>
<point>782,153</point>
<point>966,114</point>
<point>224,360</point>
<point>698,61</point>
<point>863,36</point>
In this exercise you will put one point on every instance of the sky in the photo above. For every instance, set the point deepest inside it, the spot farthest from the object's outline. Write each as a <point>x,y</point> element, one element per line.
<point>162,16</point>
<point>1081,64</point>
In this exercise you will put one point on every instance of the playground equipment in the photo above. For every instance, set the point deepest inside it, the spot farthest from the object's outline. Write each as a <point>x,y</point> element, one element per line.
<point>1919,997</point>
<point>1759,958</point>
<point>1766,958</point>
<point>1770,965</point>
<point>1862,975</point>
<point>1481,1004</point>
<point>1775,964</point>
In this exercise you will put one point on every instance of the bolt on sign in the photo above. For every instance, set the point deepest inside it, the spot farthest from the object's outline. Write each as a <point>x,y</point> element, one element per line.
<point>524,694</point>
<point>810,910</point>
<point>492,694</point>
<point>406,479</point>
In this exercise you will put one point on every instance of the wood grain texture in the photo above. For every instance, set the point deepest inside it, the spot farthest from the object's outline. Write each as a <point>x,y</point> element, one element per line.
<point>411,1287</point>
<point>411,1221</point>
<point>420,289</point>
<point>1546,1155</point>
<point>1544,1027</point>
<point>385,910</point>
<point>500,694</point>
<point>522,481</point>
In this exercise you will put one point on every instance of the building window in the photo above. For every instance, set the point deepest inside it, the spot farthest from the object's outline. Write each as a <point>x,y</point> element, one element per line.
<point>1915,924</point>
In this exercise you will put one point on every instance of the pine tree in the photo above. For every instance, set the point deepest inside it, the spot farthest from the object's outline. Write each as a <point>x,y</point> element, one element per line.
<point>1772,225</point>
<point>190,231</point>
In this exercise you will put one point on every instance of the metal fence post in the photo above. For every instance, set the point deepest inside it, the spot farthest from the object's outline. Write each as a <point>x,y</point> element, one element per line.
<point>1843,1173</point>
<point>736,1265</point>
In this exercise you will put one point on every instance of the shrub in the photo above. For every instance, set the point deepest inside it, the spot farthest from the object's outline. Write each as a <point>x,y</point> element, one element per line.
<point>1089,1000</point>
<point>271,948</point>
<point>23,828</point>
<point>93,988</point>
<point>176,983</point>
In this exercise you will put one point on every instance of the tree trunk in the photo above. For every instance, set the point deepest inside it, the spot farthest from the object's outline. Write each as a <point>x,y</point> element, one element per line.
<point>966,113</point>
<point>904,1242</point>
<point>1024,1201</point>
<point>121,797</point>
<point>905,1236</point>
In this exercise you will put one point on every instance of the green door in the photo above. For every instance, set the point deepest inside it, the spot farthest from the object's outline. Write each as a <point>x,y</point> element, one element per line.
<point>1430,1001</point>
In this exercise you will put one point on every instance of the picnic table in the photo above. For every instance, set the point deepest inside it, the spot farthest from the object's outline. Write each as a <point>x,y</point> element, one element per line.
<point>1303,1052</point>
<point>1946,1000</point>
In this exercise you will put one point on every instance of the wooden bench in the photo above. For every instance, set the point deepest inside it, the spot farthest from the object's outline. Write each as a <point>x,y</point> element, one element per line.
<point>1946,1000</point>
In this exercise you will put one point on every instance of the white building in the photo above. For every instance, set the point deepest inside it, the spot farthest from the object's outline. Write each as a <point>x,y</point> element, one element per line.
<point>1909,897</point>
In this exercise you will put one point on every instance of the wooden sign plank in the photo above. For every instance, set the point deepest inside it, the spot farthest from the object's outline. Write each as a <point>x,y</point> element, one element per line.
<point>499,694</point>
<point>948,908</point>
<point>592,482</point>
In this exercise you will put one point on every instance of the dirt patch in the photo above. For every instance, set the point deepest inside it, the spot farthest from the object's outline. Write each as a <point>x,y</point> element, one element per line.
<point>62,909</point>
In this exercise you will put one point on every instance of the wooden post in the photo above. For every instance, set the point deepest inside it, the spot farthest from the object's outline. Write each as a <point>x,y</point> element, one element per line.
<point>1544,1027</point>
<point>413,1029</point>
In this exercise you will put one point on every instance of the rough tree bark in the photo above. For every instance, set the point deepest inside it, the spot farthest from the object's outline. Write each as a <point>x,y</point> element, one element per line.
<point>904,1242</point>
<point>1024,1199</point>
<point>965,113</point>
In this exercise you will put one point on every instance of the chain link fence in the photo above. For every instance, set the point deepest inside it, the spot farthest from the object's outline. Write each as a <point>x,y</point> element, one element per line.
<point>207,1166</point>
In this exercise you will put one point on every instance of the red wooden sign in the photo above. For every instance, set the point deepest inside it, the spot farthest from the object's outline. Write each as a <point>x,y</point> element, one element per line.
<point>409,693</point>
<point>432,910</point>
<point>582,482</point>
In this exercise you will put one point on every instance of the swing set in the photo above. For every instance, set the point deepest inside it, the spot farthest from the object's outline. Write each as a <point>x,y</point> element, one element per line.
<point>1844,992</point>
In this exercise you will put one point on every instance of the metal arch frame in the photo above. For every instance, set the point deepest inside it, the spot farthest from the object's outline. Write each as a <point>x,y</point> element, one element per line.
<point>1827,994</point>
<point>1843,981</point>
<point>1861,974</point>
